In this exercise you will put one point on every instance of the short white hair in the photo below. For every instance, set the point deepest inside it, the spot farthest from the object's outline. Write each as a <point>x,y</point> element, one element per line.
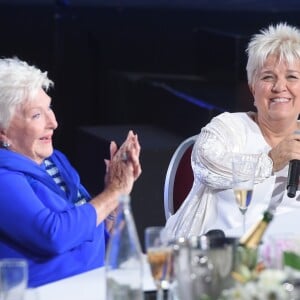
<point>19,82</point>
<point>282,40</point>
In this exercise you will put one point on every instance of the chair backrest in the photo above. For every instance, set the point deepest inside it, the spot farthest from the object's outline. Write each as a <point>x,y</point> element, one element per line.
<point>179,178</point>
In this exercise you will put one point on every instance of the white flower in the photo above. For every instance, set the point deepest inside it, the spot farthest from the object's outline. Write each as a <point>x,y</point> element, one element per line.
<point>267,286</point>
<point>271,277</point>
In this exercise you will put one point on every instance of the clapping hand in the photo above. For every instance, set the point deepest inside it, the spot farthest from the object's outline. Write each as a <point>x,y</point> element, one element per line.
<point>123,167</point>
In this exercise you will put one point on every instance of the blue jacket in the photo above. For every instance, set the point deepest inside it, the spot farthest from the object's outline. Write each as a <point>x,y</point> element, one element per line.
<point>39,222</point>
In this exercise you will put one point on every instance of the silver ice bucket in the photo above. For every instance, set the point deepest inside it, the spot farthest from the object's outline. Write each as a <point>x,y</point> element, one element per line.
<point>203,266</point>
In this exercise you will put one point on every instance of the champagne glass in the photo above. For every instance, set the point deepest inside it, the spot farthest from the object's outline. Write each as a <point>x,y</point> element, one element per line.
<point>243,175</point>
<point>159,255</point>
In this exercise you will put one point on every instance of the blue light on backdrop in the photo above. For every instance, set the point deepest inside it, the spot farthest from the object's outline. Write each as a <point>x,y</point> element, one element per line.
<point>223,5</point>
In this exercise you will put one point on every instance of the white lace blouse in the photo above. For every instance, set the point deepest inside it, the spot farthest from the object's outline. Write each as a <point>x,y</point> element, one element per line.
<point>210,203</point>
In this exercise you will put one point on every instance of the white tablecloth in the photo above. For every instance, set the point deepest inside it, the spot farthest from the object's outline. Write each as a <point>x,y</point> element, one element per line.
<point>86,286</point>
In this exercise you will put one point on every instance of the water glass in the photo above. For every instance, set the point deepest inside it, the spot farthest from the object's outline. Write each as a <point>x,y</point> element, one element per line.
<point>13,279</point>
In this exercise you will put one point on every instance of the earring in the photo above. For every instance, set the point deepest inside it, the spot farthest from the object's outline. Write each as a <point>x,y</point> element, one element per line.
<point>5,145</point>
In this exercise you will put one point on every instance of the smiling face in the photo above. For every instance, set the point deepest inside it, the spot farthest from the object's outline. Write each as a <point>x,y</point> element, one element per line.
<point>276,90</point>
<point>31,128</point>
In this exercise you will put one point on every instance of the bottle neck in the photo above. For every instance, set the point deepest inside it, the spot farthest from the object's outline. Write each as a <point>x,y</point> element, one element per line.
<point>253,237</point>
<point>124,203</point>
<point>124,200</point>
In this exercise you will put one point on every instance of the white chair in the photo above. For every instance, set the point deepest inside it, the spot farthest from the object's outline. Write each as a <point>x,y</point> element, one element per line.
<point>179,178</point>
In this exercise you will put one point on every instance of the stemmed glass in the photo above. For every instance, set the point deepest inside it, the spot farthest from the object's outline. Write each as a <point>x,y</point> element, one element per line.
<point>243,175</point>
<point>159,255</point>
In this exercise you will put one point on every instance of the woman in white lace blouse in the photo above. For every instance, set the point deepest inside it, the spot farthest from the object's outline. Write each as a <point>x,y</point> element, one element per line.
<point>273,71</point>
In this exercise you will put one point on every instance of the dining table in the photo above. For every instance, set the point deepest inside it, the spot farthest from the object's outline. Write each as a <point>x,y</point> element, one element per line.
<point>89,285</point>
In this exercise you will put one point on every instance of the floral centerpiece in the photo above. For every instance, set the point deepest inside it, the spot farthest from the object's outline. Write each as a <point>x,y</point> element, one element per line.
<point>263,282</point>
<point>269,285</point>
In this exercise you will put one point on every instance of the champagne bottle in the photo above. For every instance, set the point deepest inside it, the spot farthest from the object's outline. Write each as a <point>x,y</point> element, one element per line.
<point>247,251</point>
<point>252,238</point>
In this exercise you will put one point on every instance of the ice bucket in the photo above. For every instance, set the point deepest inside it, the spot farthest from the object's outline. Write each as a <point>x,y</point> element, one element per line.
<point>203,266</point>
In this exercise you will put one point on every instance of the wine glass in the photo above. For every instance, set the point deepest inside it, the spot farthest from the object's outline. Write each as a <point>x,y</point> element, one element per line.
<point>159,255</point>
<point>243,175</point>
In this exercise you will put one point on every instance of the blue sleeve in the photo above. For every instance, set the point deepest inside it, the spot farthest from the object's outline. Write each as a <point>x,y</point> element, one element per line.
<point>41,220</point>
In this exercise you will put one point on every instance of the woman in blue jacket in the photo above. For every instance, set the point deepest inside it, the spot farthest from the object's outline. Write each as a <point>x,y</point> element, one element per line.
<point>46,215</point>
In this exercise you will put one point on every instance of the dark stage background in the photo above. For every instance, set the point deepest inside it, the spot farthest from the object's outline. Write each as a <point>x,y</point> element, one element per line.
<point>163,68</point>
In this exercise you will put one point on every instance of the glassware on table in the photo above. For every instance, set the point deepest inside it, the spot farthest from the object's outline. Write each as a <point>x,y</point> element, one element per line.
<point>32,294</point>
<point>160,258</point>
<point>124,258</point>
<point>203,266</point>
<point>13,278</point>
<point>243,175</point>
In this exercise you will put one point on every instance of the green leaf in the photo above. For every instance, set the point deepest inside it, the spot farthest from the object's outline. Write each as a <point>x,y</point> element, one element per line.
<point>291,259</point>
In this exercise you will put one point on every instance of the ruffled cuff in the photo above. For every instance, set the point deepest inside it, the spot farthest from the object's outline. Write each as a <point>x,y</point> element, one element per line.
<point>266,165</point>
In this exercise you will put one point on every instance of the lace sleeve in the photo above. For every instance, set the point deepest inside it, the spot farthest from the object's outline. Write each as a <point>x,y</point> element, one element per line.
<point>211,156</point>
